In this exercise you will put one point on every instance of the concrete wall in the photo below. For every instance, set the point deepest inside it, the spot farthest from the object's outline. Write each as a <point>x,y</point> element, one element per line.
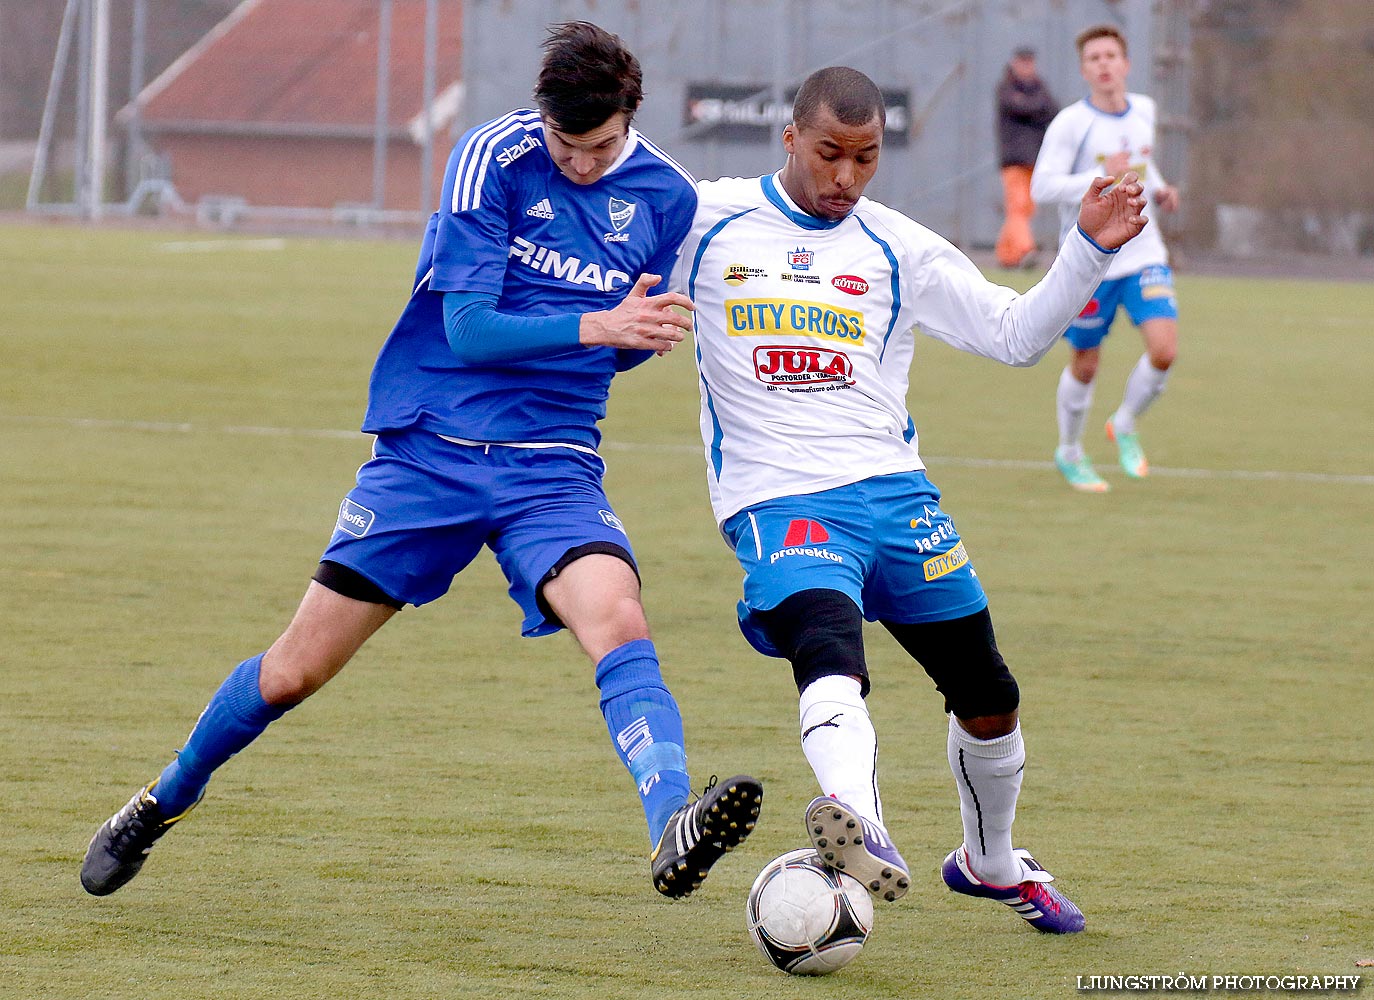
<point>945,56</point>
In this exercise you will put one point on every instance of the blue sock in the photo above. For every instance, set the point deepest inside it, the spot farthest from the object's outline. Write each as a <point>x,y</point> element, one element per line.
<point>235,717</point>
<point>646,728</point>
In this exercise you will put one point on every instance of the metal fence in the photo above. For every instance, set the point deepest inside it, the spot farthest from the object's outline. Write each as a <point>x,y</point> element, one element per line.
<point>718,77</point>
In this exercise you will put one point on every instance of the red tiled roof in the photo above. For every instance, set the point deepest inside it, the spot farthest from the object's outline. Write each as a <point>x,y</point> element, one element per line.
<point>310,63</point>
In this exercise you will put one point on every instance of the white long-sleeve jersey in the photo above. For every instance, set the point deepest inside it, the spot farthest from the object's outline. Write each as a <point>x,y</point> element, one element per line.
<point>1075,149</point>
<point>805,333</point>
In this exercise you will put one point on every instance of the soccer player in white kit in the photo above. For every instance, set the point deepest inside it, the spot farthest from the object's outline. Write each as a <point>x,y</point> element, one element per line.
<point>807,300</point>
<point>1109,132</point>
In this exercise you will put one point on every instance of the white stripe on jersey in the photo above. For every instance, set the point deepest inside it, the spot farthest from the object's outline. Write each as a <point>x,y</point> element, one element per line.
<point>423,281</point>
<point>643,141</point>
<point>476,155</point>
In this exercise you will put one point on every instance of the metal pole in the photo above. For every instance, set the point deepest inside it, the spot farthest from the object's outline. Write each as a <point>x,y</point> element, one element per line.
<point>138,50</point>
<point>383,104</point>
<point>427,143</point>
<point>80,174</point>
<point>45,128</point>
<point>100,102</point>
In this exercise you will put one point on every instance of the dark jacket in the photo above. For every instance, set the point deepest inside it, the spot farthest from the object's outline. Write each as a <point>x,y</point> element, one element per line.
<point>1024,110</point>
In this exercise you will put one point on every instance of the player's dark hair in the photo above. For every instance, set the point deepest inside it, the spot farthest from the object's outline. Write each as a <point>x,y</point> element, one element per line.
<point>586,77</point>
<point>851,96</point>
<point>1100,31</point>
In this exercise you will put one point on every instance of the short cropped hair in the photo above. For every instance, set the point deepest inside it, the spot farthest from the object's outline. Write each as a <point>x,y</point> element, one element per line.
<point>851,96</point>
<point>1100,31</point>
<point>586,77</point>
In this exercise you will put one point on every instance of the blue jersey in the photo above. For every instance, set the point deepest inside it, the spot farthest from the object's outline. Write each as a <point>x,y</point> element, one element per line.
<point>512,225</point>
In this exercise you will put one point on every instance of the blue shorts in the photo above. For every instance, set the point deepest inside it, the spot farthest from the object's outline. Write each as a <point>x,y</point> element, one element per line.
<point>884,542</point>
<point>1146,295</point>
<point>424,507</point>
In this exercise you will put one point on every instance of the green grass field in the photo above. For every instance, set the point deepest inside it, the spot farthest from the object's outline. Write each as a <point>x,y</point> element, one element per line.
<point>447,820</point>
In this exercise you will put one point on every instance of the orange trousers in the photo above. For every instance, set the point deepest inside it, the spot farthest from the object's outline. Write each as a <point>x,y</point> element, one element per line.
<point>1016,241</point>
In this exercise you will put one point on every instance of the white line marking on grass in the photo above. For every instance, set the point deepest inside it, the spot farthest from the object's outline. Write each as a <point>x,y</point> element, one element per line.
<point>1280,475</point>
<point>171,427</point>
<point>214,246</point>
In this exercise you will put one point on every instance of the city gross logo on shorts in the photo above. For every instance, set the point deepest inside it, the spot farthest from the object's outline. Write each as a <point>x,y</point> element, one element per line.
<point>944,564</point>
<point>354,519</point>
<point>1156,283</point>
<point>798,317</point>
<point>780,365</point>
<point>801,540</point>
<point>850,283</point>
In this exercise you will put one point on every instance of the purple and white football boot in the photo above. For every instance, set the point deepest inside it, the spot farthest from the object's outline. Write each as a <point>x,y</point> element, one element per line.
<point>1034,900</point>
<point>849,843</point>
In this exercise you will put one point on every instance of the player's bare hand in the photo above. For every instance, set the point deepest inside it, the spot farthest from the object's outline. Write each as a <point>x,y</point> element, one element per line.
<point>1111,211</point>
<point>642,322</point>
<point>1167,198</point>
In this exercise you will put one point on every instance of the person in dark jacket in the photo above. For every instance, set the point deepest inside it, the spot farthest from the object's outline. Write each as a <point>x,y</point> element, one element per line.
<point>1025,109</point>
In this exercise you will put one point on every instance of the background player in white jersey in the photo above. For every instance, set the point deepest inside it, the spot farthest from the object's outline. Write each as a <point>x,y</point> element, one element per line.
<point>1108,133</point>
<point>530,294</point>
<point>807,300</point>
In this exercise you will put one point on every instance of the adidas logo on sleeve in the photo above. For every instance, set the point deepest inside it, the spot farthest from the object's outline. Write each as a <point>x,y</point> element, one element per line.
<point>541,210</point>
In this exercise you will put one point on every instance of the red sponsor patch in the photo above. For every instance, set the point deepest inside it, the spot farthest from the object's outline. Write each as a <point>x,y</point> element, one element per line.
<point>850,283</point>
<point>787,366</point>
<point>1090,309</point>
<point>801,532</point>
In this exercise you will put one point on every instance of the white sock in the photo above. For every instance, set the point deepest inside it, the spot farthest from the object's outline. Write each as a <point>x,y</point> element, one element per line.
<point>1072,402</point>
<point>840,744</point>
<point>1143,387</point>
<point>988,774</point>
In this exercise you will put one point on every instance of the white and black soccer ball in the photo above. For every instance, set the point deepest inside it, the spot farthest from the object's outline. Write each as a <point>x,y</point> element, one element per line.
<point>806,918</point>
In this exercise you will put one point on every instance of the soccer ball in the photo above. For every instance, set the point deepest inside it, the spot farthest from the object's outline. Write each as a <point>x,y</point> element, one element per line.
<point>806,918</point>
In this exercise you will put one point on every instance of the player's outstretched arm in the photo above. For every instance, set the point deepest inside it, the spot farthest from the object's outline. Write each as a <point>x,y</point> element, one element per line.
<point>1110,213</point>
<point>641,322</point>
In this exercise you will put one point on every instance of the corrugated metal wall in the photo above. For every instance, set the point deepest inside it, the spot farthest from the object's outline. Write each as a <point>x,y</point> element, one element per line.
<point>941,60</point>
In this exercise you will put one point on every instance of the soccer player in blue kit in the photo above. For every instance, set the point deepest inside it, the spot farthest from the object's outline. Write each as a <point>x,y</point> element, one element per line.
<point>808,297</point>
<point>531,292</point>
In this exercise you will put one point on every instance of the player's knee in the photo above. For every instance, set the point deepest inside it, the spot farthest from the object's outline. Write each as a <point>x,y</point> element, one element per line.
<point>961,656</point>
<point>284,680</point>
<point>1162,356</point>
<point>987,691</point>
<point>820,632</point>
<point>1084,366</point>
<point>988,727</point>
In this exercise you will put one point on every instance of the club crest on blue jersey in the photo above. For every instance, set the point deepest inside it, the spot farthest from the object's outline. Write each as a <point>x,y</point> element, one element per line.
<point>622,214</point>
